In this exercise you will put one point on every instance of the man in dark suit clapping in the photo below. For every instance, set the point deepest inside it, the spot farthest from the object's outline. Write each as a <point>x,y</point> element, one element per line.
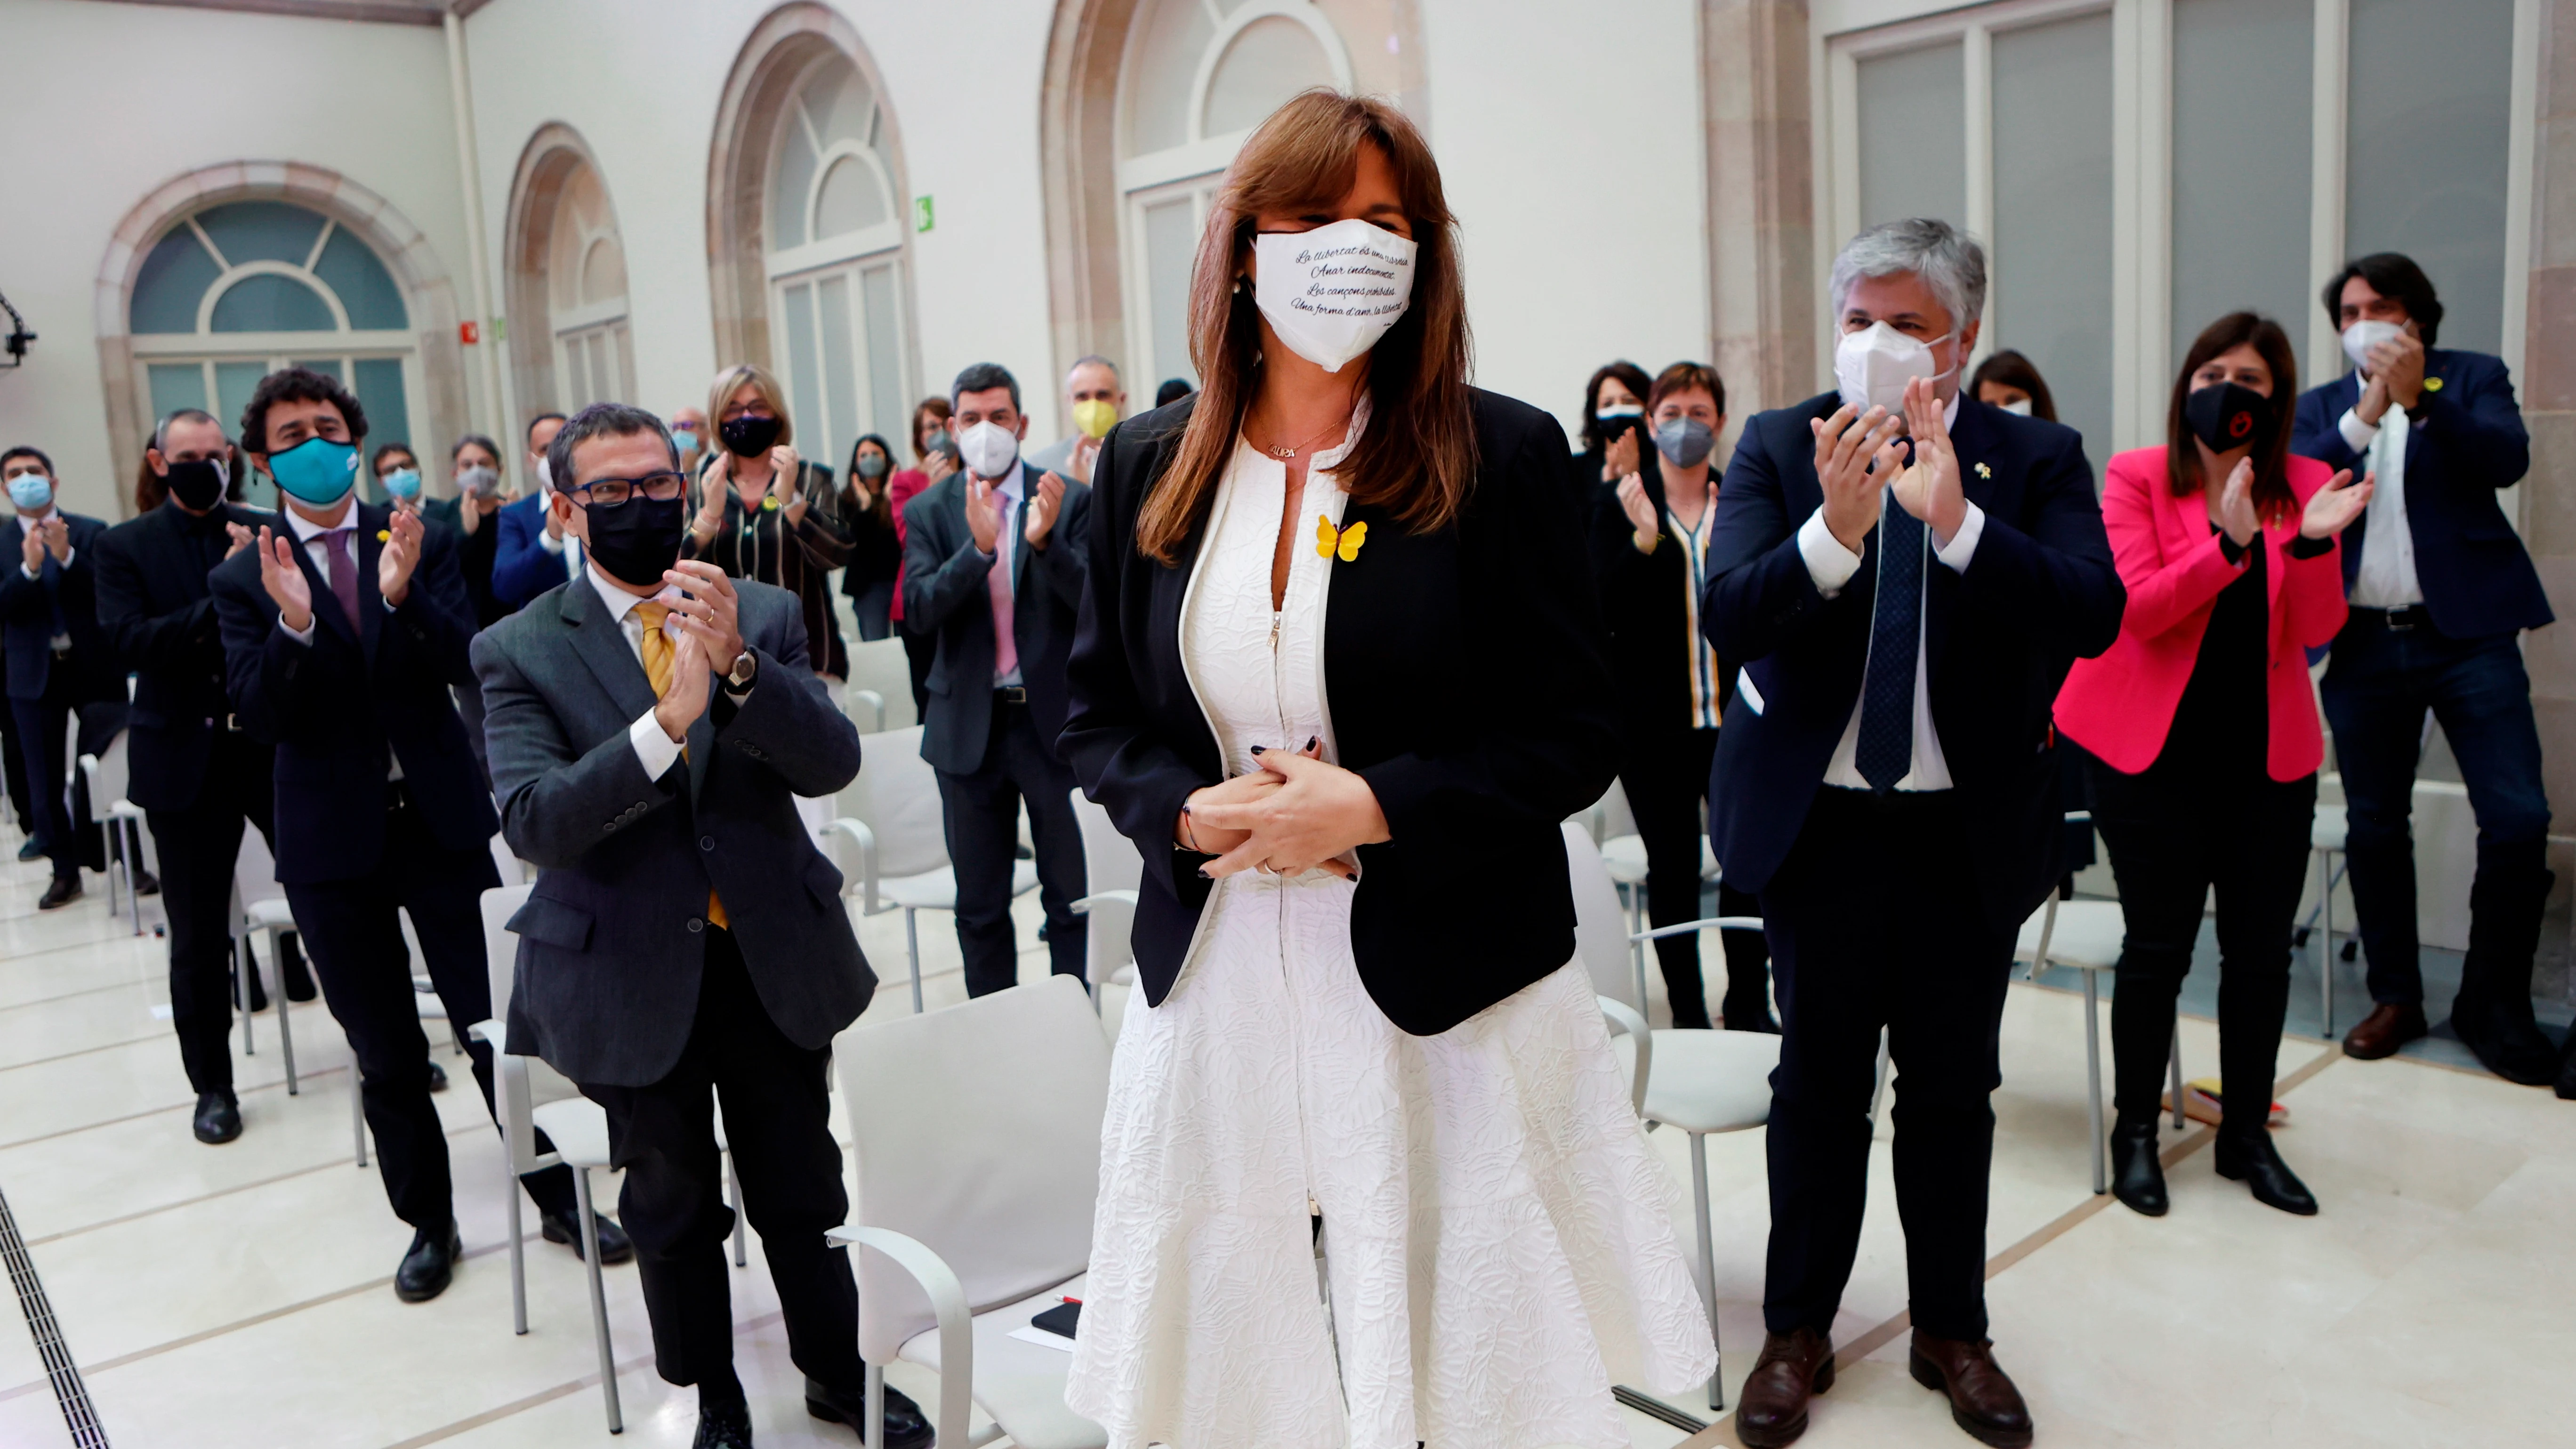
<point>344,627</point>
<point>992,565</point>
<point>57,658</point>
<point>1908,573</point>
<point>649,726</point>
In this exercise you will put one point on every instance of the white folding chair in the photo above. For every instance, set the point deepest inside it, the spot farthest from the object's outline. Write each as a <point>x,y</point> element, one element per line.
<point>901,834</point>
<point>1703,1082</point>
<point>879,692</point>
<point>259,905</point>
<point>121,818</point>
<point>2326,837</point>
<point>1613,824</point>
<point>974,1203</point>
<point>2085,936</point>
<point>1113,869</point>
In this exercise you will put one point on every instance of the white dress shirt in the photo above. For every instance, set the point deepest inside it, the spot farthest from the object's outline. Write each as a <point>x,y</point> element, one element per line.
<point>2385,578</point>
<point>1831,566</point>
<point>654,749</point>
<point>1704,681</point>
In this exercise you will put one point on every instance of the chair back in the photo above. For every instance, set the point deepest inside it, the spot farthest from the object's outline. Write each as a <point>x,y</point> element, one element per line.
<point>500,947</point>
<point>105,773</point>
<point>897,794</point>
<point>255,871</point>
<point>881,667</point>
<point>1600,925</point>
<point>1110,861</point>
<point>513,870</point>
<point>976,1129</point>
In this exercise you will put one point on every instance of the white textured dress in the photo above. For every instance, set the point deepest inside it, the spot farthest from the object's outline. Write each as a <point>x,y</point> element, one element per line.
<point>1497,1235</point>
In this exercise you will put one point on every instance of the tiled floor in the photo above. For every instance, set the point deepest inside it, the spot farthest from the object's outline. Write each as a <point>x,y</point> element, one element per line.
<point>238,1296</point>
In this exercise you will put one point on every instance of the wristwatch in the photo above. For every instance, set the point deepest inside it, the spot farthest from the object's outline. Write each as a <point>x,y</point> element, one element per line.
<point>744,674</point>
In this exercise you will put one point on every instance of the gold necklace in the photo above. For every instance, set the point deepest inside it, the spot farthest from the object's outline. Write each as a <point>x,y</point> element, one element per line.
<point>1284,453</point>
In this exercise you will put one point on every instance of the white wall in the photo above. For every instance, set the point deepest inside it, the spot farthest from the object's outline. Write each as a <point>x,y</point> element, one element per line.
<point>641,81</point>
<point>110,101</point>
<point>1576,169</point>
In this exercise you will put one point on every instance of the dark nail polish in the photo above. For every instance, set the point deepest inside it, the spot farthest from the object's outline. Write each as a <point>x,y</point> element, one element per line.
<point>1313,740</point>
<point>1203,874</point>
<point>1256,749</point>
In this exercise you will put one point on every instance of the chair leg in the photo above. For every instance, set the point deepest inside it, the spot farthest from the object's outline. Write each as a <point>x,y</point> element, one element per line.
<point>1878,1088</point>
<point>1637,948</point>
<point>2093,1077</point>
<point>358,1103</point>
<point>599,1299</point>
<point>133,862</point>
<point>2174,1067</point>
<point>1707,1265</point>
<point>518,1239</point>
<point>912,949</point>
<point>733,1178</point>
<point>2326,957</point>
<point>285,1028</point>
<point>875,1410</point>
<point>242,968</point>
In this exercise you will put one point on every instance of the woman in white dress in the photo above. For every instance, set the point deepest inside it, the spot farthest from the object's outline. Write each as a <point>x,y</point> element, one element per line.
<point>1339,675</point>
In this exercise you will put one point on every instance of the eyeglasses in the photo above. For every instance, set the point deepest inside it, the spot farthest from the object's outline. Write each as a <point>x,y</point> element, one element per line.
<point>613,492</point>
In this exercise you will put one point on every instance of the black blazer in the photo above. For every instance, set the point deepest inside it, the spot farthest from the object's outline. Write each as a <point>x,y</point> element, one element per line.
<point>27,613</point>
<point>2476,576</point>
<point>2039,593</point>
<point>1642,598</point>
<point>358,697</point>
<point>159,612</point>
<point>475,553</point>
<point>946,593</point>
<point>612,940</point>
<point>1468,688</point>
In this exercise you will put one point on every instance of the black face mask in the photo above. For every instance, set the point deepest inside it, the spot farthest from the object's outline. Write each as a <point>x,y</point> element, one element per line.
<point>2228,415</point>
<point>750,435</point>
<point>198,486</point>
<point>637,541</point>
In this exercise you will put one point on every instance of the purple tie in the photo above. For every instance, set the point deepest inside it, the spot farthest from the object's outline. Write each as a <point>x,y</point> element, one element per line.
<point>343,574</point>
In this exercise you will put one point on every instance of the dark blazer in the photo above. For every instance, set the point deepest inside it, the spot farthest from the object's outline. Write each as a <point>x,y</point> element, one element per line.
<point>522,568</point>
<point>946,592</point>
<point>2039,593</point>
<point>2477,578</point>
<point>359,696</point>
<point>1642,598</point>
<point>159,612</point>
<point>27,611</point>
<point>611,941</point>
<point>1468,688</point>
<point>476,552</point>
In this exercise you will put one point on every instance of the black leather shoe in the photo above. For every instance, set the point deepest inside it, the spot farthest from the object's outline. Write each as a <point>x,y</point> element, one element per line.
<point>905,1426</point>
<point>723,1428</point>
<point>614,1245</point>
<point>428,1268</point>
<point>1794,1367</point>
<point>437,1077</point>
<point>1983,1400</point>
<point>146,883</point>
<point>65,890</point>
<point>2251,1159</point>
<point>2506,1038</point>
<point>218,1118</point>
<point>2137,1174</point>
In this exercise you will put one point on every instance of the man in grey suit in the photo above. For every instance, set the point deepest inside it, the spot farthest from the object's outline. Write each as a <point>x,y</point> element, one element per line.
<point>992,566</point>
<point>648,726</point>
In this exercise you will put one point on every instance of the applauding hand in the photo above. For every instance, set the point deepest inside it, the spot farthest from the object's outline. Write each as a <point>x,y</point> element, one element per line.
<point>284,580</point>
<point>1856,457</point>
<point>2332,508</point>
<point>401,554</point>
<point>1929,488</point>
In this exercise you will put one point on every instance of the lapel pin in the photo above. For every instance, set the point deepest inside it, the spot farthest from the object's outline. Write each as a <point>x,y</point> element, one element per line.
<point>384,535</point>
<point>1985,472</point>
<point>2432,384</point>
<point>1346,541</point>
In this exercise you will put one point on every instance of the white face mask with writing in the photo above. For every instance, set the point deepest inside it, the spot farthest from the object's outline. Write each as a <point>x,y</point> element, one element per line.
<point>1872,366</point>
<point>1331,293</point>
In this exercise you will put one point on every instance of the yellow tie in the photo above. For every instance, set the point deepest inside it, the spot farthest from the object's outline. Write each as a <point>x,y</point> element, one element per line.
<point>657,668</point>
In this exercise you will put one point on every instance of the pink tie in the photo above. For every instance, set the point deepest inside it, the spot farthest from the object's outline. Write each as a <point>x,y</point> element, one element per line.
<point>1006,645</point>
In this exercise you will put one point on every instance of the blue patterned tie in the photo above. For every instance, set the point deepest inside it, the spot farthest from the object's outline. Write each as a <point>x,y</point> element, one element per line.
<point>1886,747</point>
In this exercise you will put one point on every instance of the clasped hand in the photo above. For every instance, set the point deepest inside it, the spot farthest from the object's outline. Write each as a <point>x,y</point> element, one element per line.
<point>1297,813</point>
<point>709,619</point>
<point>1857,457</point>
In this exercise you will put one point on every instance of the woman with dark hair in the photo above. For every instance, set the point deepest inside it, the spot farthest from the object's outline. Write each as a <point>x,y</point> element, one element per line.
<point>876,549</point>
<point>766,515</point>
<point>2009,381</point>
<point>1614,430</point>
<point>2204,732</point>
<point>935,457</point>
<point>1362,1014</point>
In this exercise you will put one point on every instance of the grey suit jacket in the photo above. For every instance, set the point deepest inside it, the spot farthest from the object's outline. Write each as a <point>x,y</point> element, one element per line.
<point>612,938</point>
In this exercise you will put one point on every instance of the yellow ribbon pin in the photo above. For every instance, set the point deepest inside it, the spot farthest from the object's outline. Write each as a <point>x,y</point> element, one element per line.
<point>1984,472</point>
<point>1346,542</point>
<point>384,535</point>
<point>769,504</point>
<point>2432,384</point>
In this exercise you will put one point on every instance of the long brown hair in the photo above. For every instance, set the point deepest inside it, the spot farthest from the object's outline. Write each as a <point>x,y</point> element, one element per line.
<point>2273,500</point>
<point>1419,457</point>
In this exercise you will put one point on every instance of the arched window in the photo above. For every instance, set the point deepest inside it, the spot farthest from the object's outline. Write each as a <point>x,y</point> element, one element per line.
<point>835,240</point>
<point>231,293</point>
<point>1197,76</point>
<point>570,345</point>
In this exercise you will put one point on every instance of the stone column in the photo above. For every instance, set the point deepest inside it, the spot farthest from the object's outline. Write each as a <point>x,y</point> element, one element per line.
<point>2548,391</point>
<point>1761,202</point>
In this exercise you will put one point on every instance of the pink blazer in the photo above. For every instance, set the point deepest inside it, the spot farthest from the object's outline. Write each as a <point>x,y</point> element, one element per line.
<point>2121,705</point>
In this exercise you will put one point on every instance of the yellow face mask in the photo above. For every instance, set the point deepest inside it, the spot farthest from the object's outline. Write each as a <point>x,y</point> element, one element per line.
<point>1095,416</point>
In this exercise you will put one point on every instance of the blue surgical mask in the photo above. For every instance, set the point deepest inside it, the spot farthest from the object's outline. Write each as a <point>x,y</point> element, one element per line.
<point>316,472</point>
<point>403,483</point>
<point>686,438</point>
<point>31,492</point>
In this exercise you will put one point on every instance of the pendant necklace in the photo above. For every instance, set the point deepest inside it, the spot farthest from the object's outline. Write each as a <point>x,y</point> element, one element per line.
<point>1285,453</point>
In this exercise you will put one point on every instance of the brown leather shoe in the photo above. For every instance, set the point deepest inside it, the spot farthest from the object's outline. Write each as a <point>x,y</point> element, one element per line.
<point>2382,1032</point>
<point>1983,1400</point>
<point>1794,1367</point>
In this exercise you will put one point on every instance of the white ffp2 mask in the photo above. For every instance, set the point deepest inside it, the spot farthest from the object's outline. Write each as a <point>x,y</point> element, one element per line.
<point>1872,367</point>
<point>2366,334</point>
<point>1331,293</point>
<point>988,448</point>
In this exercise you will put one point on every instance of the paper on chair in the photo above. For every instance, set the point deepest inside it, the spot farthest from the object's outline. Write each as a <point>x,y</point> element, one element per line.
<point>1042,1338</point>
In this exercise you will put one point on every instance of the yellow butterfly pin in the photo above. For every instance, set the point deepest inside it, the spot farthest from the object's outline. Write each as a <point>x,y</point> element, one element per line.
<point>1347,542</point>
<point>384,535</point>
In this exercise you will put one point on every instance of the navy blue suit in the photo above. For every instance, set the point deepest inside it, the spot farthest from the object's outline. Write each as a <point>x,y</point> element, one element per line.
<point>522,567</point>
<point>354,846</point>
<point>43,689</point>
<point>1896,909</point>
<point>2458,655</point>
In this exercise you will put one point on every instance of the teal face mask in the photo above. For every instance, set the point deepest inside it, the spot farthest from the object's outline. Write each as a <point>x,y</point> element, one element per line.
<point>403,483</point>
<point>316,472</point>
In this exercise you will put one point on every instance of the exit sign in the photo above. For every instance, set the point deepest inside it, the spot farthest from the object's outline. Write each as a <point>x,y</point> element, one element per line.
<point>921,217</point>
